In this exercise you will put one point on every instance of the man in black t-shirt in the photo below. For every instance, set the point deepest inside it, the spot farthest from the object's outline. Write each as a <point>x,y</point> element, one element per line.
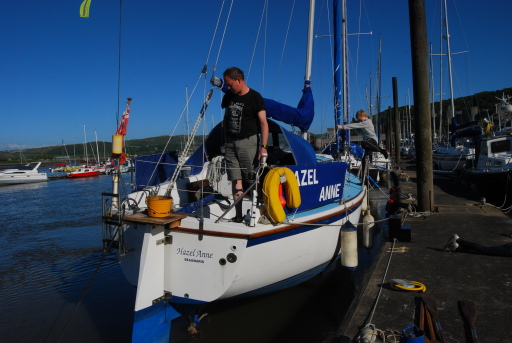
<point>244,118</point>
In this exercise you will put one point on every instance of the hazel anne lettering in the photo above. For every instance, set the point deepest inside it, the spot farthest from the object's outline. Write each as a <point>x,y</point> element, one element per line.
<point>194,253</point>
<point>306,177</point>
<point>330,192</point>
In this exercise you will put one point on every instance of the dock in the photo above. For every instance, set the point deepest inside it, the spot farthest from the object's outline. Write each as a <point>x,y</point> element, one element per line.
<point>450,278</point>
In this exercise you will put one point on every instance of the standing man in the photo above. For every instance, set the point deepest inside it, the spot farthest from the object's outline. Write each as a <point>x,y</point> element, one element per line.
<point>244,118</point>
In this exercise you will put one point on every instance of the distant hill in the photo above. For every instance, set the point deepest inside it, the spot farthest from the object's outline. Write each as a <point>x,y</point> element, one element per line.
<point>76,151</point>
<point>485,101</point>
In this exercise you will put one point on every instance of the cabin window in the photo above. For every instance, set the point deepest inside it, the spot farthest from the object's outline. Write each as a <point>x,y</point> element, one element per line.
<point>498,163</point>
<point>279,152</point>
<point>500,146</point>
<point>483,149</point>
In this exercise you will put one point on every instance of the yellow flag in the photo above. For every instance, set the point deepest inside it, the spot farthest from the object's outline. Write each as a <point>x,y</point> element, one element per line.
<point>84,8</point>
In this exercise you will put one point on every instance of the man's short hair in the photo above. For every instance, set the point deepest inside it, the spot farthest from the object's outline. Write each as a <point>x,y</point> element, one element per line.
<point>234,73</point>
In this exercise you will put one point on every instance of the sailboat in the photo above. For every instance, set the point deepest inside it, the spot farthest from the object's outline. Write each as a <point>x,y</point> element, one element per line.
<point>454,156</point>
<point>85,170</point>
<point>176,244</point>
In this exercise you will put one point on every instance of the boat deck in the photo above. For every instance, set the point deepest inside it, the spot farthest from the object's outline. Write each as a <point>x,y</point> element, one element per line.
<point>171,221</point>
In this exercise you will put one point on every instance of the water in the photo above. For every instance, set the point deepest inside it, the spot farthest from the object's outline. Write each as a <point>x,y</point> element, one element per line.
<point>50,246</point>
<point>50,249</point>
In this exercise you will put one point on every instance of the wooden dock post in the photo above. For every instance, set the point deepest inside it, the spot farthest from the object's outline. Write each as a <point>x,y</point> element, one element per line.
<point>423,136</point>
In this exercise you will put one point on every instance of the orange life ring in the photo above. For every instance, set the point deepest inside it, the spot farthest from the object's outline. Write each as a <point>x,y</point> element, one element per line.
<point>271,195</point>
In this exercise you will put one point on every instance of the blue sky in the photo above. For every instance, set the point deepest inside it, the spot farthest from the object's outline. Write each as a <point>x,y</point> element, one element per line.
<point>59,72</point>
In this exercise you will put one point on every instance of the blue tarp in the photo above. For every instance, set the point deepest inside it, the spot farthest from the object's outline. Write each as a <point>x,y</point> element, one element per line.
<point>145,164</point>
<point>145,173</point>
<point>301,116</point>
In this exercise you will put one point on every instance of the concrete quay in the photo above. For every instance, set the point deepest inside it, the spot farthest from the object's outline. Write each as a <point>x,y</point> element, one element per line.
<point>449,277</point>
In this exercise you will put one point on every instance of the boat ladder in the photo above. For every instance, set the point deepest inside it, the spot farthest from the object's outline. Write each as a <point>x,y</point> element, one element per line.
<point>112,226</point>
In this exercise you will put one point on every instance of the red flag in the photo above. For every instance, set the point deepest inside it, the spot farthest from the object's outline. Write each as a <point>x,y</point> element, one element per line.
<point>123,126</point>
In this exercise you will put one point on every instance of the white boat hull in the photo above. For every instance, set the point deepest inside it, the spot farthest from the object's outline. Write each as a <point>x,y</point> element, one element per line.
<point>23,174</point>
<point>9,180</point>
<point>227,260</point>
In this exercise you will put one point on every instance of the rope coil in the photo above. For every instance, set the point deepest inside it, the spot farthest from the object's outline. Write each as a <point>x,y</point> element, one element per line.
<point>406,285</point>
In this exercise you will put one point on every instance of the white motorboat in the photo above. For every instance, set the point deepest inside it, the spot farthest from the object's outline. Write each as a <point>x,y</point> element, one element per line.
<point>22,174</point>
<point>491,171</point>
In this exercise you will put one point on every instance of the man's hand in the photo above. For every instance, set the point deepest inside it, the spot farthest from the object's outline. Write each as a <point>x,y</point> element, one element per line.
<point>216,82</point>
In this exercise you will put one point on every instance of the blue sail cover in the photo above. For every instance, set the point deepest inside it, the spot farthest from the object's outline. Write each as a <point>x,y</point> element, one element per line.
<point>300,116</point>
<point>145,173</point>
<point>145,164</point>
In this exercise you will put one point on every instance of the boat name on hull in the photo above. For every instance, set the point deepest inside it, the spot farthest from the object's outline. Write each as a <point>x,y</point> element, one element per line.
<point>194,253</point>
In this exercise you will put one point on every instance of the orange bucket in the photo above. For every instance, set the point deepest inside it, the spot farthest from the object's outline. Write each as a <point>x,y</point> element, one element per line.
<point>159,206</point>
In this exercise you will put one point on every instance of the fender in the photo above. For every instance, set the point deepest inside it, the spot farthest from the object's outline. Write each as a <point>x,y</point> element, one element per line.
<point>271,196</point>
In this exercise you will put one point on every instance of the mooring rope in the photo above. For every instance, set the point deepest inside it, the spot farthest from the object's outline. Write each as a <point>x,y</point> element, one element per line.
<point>86,290</point>
<point>369,322</point>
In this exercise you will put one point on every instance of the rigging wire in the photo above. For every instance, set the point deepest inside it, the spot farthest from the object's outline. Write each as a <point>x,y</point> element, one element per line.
<point>264,51</point>
<point>224,32</point>
<point>214,34</point>
<point>203,72</point>
<point>469,87</point>
<point>263,14</point>
<point>284,48</point>
<point>119,60</point>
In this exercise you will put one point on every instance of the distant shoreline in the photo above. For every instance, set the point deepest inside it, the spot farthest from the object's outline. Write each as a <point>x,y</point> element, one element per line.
<point>47,164</point>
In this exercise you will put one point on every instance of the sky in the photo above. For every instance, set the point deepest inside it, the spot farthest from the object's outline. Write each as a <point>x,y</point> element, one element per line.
<point>61,75</point>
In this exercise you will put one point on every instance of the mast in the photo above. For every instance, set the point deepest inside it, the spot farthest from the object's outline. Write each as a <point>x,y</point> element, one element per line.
<point>409,120</point>
<point>309,49</point>
<point>345,76</point>
<point>337,69</point>
<point>66,150</point>
<point>97,149</point>
<point>340,67</point>
<point>337,14</point>
<point>85,148</point>
<point>441,77</point>
<point>378,120</point>
<point>370,101</point>
<point>452,104</point>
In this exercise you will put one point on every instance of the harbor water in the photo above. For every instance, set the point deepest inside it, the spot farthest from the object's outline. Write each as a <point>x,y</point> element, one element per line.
<point>56,285</point>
